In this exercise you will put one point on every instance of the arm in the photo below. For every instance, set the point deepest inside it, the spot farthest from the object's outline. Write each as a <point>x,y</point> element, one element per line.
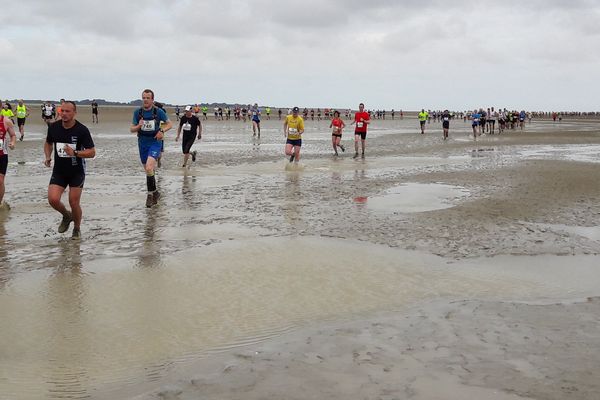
<point>87,153</point>
<point>10,128</point>
<point>161,133</point>
<point>285,128</point>
<point>179,130</point>
<point>48,153</point>
<point>199,130</point>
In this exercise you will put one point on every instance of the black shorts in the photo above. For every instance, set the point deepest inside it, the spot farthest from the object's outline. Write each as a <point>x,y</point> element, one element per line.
<point>294,142</point>
<point>446,125</point>
<point>3,164</point>
<point>363,135</point>
<point>491,121</point>
<point>20,121</point>
<point>336,134</point>
<point>95,112</point>
<point>422,122</point>
<point>187,142</point>
<point>76,179</point>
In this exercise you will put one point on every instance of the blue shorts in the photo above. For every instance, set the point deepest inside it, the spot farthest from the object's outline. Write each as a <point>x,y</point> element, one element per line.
<point>294,142</point>
<point>149,147</point>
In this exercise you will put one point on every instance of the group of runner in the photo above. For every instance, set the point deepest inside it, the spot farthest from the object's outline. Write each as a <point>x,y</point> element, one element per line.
<point>69,143</point>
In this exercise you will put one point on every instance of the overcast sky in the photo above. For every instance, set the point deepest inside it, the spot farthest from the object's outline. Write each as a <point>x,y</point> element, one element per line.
<point>402,54</point>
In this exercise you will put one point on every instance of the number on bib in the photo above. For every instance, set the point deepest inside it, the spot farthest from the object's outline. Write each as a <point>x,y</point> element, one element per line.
<point>187,126</point>
<point>359,124</point>
<point>60,149</point>
<point>149,126</point>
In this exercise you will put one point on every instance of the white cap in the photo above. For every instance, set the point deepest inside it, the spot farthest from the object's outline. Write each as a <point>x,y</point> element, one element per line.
<point>188,108</point>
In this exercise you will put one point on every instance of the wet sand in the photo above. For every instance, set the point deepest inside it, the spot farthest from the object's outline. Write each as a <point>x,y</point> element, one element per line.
<point>427,270</point>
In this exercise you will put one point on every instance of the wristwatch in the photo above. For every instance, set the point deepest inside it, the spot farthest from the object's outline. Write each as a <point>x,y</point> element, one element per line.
<point>76,153</point>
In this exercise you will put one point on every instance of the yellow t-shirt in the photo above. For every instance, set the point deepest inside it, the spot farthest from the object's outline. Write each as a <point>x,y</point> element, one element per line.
<point>294,126</point>
<point>7,113</point>
<point>423,116</point>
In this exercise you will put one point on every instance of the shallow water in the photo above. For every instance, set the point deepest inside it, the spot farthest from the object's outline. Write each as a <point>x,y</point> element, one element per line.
<point>93,325</point>
<point>417,197</point>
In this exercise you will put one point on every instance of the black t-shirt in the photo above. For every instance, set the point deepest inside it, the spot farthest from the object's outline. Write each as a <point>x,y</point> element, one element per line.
<point>78,137</point>
<point>189,125</point>
<point>94,107</point>
<point>446,118</point>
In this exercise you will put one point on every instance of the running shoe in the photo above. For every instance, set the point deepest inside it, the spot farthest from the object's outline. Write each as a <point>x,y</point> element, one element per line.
<point>355,155</point>
<point>21,138</point>
<point>292,157</point>
<point>149,200</point>
<point>76,235</point>
<point>194,156</point>
<point>155,197</point>
<point>66,221</point>
<point>362,155</point>
<point>342,147</point>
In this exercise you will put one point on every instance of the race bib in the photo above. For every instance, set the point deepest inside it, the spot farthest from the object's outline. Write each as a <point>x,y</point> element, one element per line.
<point>48,112</point>
<point>187,126</point>
<point>149,126</point>
<point>60,149</point>
<point>2,144</point>
<point>446,119</point>
<point>359,124</point>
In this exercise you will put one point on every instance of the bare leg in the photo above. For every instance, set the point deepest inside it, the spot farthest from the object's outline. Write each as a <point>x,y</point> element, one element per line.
<point>54,194</point>
<point>74,202</point>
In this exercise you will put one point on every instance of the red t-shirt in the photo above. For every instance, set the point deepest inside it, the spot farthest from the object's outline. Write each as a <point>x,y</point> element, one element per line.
<point>2,135</point>
<point>337,122</point>
<point>358,118</point>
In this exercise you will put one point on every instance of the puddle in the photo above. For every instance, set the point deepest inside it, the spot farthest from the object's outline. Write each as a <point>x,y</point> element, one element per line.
<point>416,197</point>
<point>90,326</point>
<point>588,232</point>
<point>581,153</point>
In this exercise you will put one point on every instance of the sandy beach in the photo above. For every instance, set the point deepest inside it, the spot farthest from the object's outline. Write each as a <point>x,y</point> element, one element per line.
<point>428,270</point>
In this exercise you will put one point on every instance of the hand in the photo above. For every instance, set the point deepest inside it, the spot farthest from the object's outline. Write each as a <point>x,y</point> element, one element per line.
<point>11,146</point>
<point>48,162</point>
<point>177,138</point>
<point>159,135</point>
<point>69,150</point>
<point>199,136</point>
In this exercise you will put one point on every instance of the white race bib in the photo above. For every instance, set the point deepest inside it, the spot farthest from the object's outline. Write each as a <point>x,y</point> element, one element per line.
<point>187,126</point>
<point>446,119</point>
<point>2,144</point>
<point>293,131</point>
<point>47,112</point>
<point>149,126</point>
<point>359,124</point>
<point>60,149</point>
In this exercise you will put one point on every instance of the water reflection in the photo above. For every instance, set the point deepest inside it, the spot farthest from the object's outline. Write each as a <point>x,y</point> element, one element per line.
<point>292,197</point>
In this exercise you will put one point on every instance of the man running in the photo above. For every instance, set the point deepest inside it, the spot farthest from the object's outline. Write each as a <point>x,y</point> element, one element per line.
<point>293,128</point>
<point>94,112</point>
<point>146,124</point>
<point>255,111</point>
<point>446,123</point>
<point>6,126</point>
<point>475,117</point>
<point>48,112</point>
<point>362,120</point>
<point>336,135</point>
<point>70,142</point>
<point>22,114</point>
<point>7,112</point>
<point>191,126</point>
<point>423,117</point>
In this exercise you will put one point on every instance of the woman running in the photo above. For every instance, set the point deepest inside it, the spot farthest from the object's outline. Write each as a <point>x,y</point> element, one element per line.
<point>336,135</point>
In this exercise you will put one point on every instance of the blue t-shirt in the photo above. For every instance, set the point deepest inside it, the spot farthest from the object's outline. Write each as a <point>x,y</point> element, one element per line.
<point>522,115</point>
<point>151,121</point>
<point>256,114</point>
<point>476,117</point>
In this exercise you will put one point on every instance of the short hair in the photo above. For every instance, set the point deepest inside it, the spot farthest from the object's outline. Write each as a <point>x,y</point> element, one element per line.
<point>362,104</point>
<point>72,103</point>
<point>336,112</point>
<point>149,91</point>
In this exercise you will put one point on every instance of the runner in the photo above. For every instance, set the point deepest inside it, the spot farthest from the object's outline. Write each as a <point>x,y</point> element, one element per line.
<point>177,112</point>
<point>94,112</point>
<point>255,111</point>
<point>146,124</point>
<point>362,120</point>
<point>268,111</point>
<point>59,110</point>
<point>6,126</point>
<point>191,126</point>
<point>22,114</point>
<point>475,123</point>
<point>279,112</point>
<point>423,117</point>
<point>205,112</point>
<point>70,142</point>
<point>7,112</point>
<point>492,116</point>
<point>446,123</point>
<point>48,112</point>
<point>522,116</point>
<point>336,135</point>
<point>293,128</point>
